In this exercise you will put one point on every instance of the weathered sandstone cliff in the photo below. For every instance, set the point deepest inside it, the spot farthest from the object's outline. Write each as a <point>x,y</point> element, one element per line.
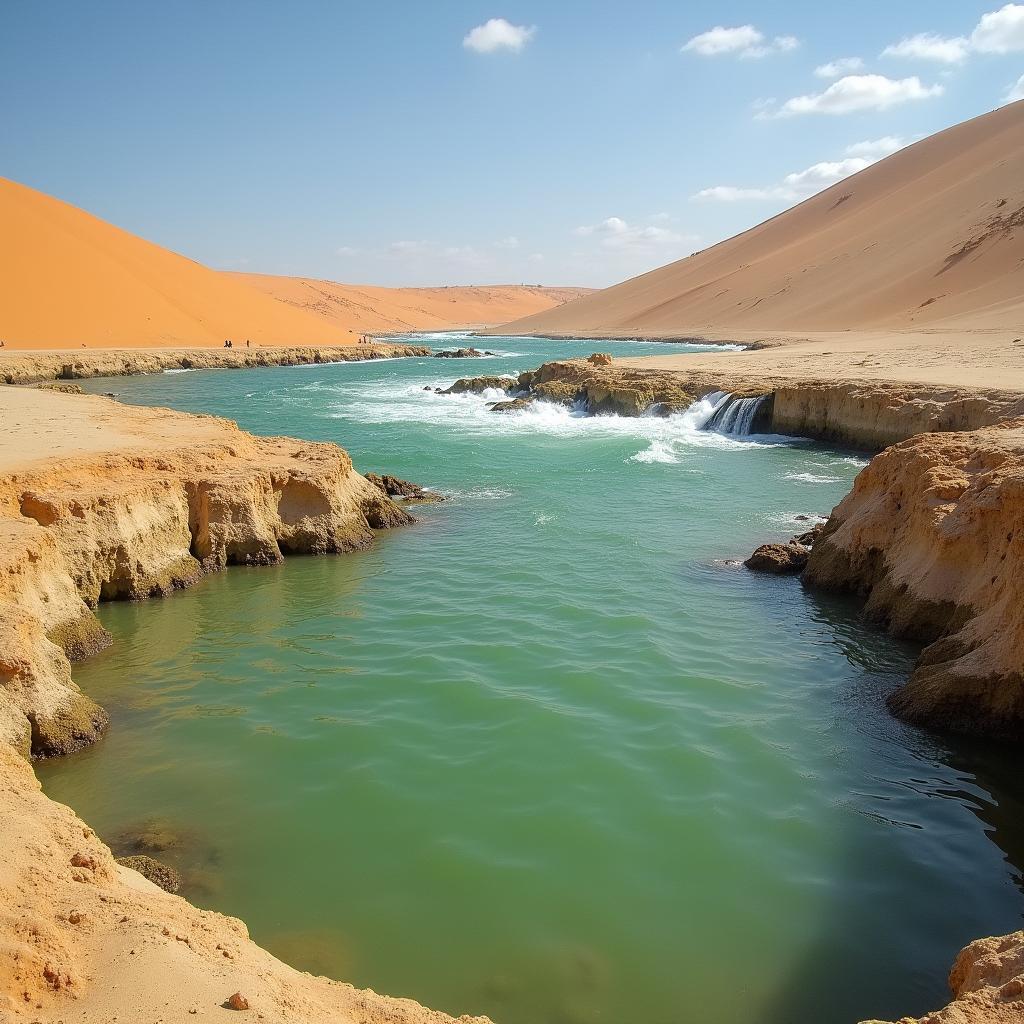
<point>102,502</point>
<point>29,367</point>
<point>931,537</point>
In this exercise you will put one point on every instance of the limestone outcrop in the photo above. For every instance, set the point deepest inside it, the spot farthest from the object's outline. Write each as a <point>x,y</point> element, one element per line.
<point>931,537</point>
<point>868,416</point>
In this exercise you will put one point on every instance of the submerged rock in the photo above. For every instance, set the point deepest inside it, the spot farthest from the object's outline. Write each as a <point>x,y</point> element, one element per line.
<point>459,353</point>
<point>393,487</point>
<point>779,559</point>
<point>157,872</point>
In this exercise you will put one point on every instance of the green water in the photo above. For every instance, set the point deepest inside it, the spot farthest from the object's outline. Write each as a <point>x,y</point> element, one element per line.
<point>546,755</point>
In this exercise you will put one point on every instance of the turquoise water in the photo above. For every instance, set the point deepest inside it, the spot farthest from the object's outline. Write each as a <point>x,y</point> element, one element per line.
<point>546,755</point>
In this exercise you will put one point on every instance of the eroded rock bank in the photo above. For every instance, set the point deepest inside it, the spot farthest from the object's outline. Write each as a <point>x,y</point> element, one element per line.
<point>29,367</point>
<point>100,501</point>
<point>867,416</point>
<point>931,537</point>
<point>134,525</point>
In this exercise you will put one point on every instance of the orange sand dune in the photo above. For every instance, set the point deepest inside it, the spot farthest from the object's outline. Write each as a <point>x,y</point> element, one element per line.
<point>931,236</point>
<point>370,308</point>
<point>69,279</point>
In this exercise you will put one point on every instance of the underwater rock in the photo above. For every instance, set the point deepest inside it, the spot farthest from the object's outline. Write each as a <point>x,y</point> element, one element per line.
<point>158,873</point>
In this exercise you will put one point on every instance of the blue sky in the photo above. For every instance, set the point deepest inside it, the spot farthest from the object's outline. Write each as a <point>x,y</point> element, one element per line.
<point>568,143</point>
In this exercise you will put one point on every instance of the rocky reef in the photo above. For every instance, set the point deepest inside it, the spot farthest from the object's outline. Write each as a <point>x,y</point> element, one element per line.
<point>30,367</point>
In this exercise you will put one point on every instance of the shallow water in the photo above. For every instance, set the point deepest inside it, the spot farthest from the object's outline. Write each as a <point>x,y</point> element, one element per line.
<point>545,755</point>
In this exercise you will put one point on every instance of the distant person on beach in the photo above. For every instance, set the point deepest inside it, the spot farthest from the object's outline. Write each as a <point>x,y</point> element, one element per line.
<point>247,343</point>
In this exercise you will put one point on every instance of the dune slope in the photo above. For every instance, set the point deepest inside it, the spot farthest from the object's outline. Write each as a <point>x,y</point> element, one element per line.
<point>368,308</point>
<point>933,235</point>
<point>69,279</point>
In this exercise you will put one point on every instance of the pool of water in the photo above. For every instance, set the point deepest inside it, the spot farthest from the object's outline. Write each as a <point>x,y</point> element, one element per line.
<point>548,754</point>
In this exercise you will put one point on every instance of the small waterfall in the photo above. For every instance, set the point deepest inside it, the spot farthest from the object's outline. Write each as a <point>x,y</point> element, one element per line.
<point>734,415</point>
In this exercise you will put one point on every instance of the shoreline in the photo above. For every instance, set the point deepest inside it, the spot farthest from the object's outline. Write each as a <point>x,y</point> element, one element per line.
<point>48,493</point>
<point>33,366</point>
<point>113,502</point>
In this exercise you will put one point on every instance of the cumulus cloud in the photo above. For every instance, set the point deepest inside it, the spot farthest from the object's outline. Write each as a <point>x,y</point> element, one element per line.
<point>498,34</point>
<point>928,46</point>
<point>1000,31</point>
<point>615,233</point>
<point>1016,91</point>
<point>511,242</point>
<point>838,68</point>
<point>741,41</point>
<point>858,92</point>
<point>802,184</point>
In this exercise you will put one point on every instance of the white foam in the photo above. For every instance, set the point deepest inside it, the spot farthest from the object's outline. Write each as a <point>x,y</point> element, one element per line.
<point>184,369</point>
<point>813,478</point>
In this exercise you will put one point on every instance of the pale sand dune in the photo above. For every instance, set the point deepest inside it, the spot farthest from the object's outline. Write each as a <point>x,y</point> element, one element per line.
<point>369,308</point>
<point>69,279</point>
<point>931,237</point>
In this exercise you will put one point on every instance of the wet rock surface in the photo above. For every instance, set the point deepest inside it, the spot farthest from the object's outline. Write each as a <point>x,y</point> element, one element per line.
<point>403,490</point>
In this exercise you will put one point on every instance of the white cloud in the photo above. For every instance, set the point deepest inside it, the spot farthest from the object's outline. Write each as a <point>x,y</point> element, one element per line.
<point>346,250</point>
<point>536,257</point>
<point>858,92</point>
<point>615,233</point>
<point>741,41</point>
<point>875,149</point>
<point>1016,91</point>
<point>1000,31</point>
<point>498,34</point>
<point>838,68</point>
<point>929,46</point>
<point>507,243</point>
<point>802,184</point>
